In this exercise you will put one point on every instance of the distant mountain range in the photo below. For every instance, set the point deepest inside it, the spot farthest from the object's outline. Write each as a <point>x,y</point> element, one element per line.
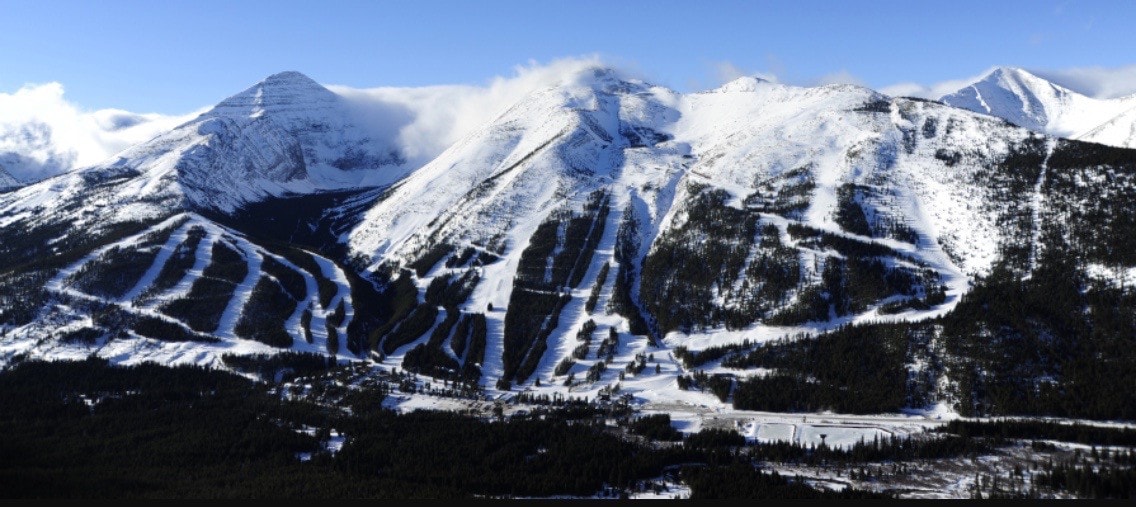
<point>33,150</point>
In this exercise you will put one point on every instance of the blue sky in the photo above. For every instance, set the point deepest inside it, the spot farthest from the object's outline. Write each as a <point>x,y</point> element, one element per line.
<point>174,56</point>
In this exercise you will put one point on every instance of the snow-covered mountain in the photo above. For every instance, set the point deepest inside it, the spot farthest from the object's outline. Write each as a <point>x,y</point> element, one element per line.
<point>285,135</point>
<point>1029,101</point>
<point>793,169</point>
<point>287,111</point>
<point>144,210</point>
<point>601,220</point>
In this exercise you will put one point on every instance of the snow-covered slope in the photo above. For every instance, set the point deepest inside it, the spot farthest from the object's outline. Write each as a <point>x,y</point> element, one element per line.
<point>285,135</point>
<point>183,290</point>
<point>551,146</point>
<point>591,135</point>
<point>1120,130</point>
<point>1039,105</point>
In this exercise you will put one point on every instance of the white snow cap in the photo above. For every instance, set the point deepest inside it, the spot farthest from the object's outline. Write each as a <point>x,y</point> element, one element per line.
<point>280,93</point>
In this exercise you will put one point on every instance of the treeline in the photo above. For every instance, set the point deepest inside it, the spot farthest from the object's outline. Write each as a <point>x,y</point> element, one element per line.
<point>1036,336</point>
<point>281,366</point>
<point>690,263</point>
<point>210,294</point>
<point>877,450</point>
<point>1092,189</point>
<point>696,358</point>
<point>855,369</point>
<point>1089,481</point>
<point>32,253</point>
<point>268,309</point>
<point>655,427</point>
<point>555,261</point>
<point>1046,339</point>
<point>304,260</point>
<point>89,429</point>
<point>1053,343</point>
<point>720,384</point>
<point>1043,430</point>
<point>117,270</point>
<point>744,481</point>
<point>852,216</point>
<point>940,445</point>
<point>864,274</point>
<point>788,194</point>
<point>461,329</point>
<point>177,265</point>
<point>626,254</point>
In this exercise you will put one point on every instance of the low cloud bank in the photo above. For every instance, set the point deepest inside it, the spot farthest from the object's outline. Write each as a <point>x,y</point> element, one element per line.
<point>43,134</point>
<point>424,121</point>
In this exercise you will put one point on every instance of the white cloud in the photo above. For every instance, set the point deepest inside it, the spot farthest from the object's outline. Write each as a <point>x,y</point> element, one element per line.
<point>906,90</point>
<point>724,72</point>
<point>727,71</point>
<point>426,120</point>
<point>1097,82</point>
<point>42,133</point>
<point>932,91</point>
<point>839,77</point>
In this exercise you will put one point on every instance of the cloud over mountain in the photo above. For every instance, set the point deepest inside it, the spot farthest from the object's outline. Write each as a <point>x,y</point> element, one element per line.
<point>425,121</point>
<point>42,133</point>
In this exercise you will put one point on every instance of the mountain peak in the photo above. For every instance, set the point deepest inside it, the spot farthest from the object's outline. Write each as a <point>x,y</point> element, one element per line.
<point>1028,100</point>
<point>600,77</point>
<point>1016,95</point>
<point>289,76</point>
<point>281,92</point>
<point>1016,77</point>
<point>1009,71</point>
